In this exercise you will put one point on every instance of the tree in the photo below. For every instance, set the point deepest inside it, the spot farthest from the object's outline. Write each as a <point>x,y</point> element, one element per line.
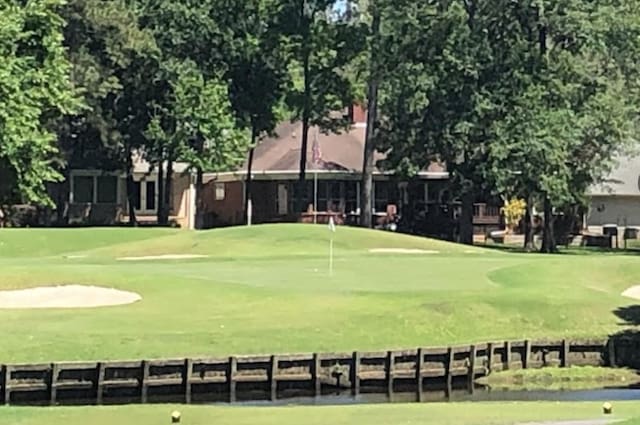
<point>323,41</point>
<point>575,107</point>
<point>34,80</point>
<point>110,56</point>
<point>435,105</point>
<point>258,74</point>
<point>199,124</point>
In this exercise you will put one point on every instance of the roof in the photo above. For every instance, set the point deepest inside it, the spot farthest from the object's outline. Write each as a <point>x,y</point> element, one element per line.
<point>340,152</point>
<point>624,180</point>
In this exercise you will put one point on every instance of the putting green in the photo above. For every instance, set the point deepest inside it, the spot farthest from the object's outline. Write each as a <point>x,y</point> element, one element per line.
<point>266,289</point>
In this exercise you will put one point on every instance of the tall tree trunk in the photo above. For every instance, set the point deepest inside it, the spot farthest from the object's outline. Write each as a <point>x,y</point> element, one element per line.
<point>306,117</point>
<point>529,231</point>
<point>548,237</point>
<point>168,187</point>
<point>133,221</point>
<point>199,200</point>
<point>160,211</point>
<point>466,218</point>
<point>366,190</point>
<point>247,185</point>
<point>62,204</point>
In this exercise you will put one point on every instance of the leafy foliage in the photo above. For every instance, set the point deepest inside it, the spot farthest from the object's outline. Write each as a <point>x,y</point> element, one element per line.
<point>34,82</point>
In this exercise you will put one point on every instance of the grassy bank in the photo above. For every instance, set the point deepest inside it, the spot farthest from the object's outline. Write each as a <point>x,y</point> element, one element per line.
<point>266,289</point>
<point>573,378</point>
<point>414,414</point>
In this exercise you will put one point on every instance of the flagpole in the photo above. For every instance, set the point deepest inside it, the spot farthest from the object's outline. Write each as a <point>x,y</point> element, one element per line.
<point>332,229</point>
<point>315,196</point>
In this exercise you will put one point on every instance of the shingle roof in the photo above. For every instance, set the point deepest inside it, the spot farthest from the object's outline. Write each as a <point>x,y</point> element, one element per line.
<point>623,181</point>
<point>340,152</point>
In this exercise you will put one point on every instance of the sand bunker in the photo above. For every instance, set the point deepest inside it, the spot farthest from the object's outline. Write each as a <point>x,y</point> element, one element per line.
<point>66,296</point>
<point>401,251</point>
<point>633,292</point>
<point>163,257</point>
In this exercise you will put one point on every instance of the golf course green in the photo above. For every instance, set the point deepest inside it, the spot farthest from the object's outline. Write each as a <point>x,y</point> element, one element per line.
<point>267,289</point>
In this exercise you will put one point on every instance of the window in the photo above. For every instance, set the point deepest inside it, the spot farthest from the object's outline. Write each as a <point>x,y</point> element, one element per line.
<point>107,190</point>
<point>137,195</point>
<point>385,193</point>
<point>83,189</point>
<point>351,196</point>
<point>220,191</point>
<point>308,196</point>
<point>150,203</point>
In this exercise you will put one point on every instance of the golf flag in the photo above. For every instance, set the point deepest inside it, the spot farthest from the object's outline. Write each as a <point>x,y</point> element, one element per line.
<point>316,153</point>
<point>332,224</point>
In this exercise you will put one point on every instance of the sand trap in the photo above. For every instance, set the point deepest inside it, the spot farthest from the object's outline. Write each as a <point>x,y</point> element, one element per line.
<point>163,257</point>
<point>633,292</point>
<point>66,296</point>
<point>401,251</point>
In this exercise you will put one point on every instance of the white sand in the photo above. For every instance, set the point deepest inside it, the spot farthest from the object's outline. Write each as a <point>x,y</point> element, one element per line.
<point>633,292</point>
<point>163,257</point>
<point>401,251</point>
<point>66,296</point>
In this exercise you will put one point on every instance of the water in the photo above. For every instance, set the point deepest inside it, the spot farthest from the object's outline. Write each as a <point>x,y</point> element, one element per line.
<point>481,394</point>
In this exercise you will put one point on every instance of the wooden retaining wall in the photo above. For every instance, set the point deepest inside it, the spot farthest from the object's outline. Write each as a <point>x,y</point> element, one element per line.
<point>246,378</point>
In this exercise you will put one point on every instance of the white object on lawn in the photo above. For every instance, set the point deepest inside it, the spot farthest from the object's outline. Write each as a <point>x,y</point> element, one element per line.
<point>332,229</point>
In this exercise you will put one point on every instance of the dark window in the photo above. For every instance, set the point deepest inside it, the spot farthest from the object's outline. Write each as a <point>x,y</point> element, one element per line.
<point>107,190</point>
<point>151,196</point>
<point>83,189</point>
<point>136,195</point>
<point>351,196</point>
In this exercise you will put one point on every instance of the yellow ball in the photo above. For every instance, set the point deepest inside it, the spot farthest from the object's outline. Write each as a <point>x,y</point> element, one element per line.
<point>175,417</point>
<point>607,408</point>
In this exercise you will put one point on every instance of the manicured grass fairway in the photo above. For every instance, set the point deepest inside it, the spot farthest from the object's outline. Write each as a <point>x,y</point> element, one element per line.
<point>408,414</point>
<point>266,289</point>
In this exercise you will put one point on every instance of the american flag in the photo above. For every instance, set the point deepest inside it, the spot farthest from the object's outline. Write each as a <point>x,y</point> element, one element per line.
<point>316,154</point>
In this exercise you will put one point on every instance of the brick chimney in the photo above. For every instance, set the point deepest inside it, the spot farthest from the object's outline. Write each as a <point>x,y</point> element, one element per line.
<point>358,114</point>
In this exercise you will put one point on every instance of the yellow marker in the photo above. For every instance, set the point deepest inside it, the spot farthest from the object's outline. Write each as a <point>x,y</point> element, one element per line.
<point>607,408</point>
<point>175,417</point>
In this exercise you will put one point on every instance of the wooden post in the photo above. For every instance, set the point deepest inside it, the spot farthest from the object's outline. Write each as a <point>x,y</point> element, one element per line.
<point>231,378</point>
<point>507,355</point>
<point>186,379</point>
<point>315,375</point>
<point>449,371</point>
<point>144,382</point>
<point>390,366</point>
<point>419,380</point>
<point>273,372</point>
<point>6,378</point>
<point>564,354</point>
<point>527,354</point>
<point>53,383</point>
<point>355,374</point>
<point>490,352</point>
<point>471,374</point>
<point>612,352</point>
<point>3,383</point>
<point>100,382</point>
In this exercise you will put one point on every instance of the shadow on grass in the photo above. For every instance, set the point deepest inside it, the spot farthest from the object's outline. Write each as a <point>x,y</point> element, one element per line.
<point>629,314</point>
<point>562,250</point>
<point>627,342</point>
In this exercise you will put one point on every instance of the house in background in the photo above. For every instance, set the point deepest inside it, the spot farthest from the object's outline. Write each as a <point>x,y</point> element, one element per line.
<point>99,197</point>
<point>617,200</point>
<point>334,164</point>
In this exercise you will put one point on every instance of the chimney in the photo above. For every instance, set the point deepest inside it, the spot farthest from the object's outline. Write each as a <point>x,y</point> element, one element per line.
<point>358,114</point>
